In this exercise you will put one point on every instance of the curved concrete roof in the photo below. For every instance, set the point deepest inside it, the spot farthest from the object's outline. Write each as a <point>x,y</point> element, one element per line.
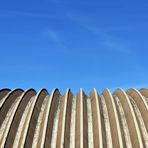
<point>39,119</point>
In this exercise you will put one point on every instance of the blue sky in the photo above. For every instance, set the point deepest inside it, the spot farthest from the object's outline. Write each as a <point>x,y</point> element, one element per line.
<point>79,43</point>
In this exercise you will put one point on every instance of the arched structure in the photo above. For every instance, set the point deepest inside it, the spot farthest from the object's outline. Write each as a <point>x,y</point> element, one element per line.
<point>42,120</point>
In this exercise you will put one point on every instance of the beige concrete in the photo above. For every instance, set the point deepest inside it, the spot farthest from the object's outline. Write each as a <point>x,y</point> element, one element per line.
<point>22,102</point>
<point>81,135</point>
<point>96,120</point>
<point>63,133</point>
<point>114,121</point>
<point>123,123</point>
<point>51,116</point>
<point>39,120</point>
<point>106,122</point>
<point>131,119</point>
<point>141,103</point>
<point>3,93</point>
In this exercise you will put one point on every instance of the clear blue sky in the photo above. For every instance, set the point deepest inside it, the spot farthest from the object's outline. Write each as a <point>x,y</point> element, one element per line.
<point>73,43</point>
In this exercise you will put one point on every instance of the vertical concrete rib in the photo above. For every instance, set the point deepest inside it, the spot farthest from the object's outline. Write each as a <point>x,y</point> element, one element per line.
<point>3,93</point>
<point>144,92</point>
<point>55,126</point>
<point>131,119</point>
<point>28,111</point>
<point>24,99</point>
<point>90,124</point>
<point>6,126</point>
<point>22,128</point>
<point>63,133</point>
<point>85,119</point>
<point>7,122</point>
<point>106,122</point>
<point>97,120</point>
<point>113,118</point>
<point>79,121</point>
<point>52,112</point>
<point>67,127</point>
<point>123,123</point>
<point>37,139</point>
<point>140,122</point>
<point>34,118</point>
<point>7,102</point>
<point>73,123</point>
<point>44,122</point>
<point>141,103</point>
<point>81,135</point>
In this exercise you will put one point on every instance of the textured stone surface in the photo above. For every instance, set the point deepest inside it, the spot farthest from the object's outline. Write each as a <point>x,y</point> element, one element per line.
<point>39,119</point>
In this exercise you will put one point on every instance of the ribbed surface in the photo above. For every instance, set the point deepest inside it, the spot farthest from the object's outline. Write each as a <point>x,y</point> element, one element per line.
<point>31,119</point>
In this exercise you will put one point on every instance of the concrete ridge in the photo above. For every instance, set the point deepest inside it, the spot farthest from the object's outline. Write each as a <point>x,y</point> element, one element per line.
<point>39,119</point>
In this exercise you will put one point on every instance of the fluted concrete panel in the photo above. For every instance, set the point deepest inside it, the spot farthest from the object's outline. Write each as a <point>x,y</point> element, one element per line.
<point>34,118</point>
<point>81,136</point>
<point>113,118</point>
<point>133,126</point>
<point>42,120</point>
<point>25,98</point>
<point>52,112</point>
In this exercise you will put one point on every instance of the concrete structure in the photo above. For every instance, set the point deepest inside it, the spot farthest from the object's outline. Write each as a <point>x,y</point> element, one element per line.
<point>39,119</point>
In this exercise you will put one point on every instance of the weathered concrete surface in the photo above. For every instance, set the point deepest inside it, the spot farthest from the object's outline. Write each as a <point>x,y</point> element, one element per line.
<point>37,120</point>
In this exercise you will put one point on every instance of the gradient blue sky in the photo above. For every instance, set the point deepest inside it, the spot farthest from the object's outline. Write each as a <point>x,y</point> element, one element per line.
<point>79,43</point>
